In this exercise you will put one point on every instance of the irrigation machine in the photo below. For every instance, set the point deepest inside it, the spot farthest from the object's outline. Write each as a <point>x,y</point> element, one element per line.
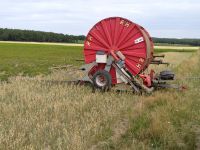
<point>118,51</point>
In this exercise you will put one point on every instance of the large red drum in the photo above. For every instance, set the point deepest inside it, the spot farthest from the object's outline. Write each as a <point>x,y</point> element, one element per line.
<point>120,34</point>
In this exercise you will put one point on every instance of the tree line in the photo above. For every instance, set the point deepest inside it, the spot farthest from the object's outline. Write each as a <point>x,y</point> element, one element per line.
<point>39,36</point>
<point>192,42</point>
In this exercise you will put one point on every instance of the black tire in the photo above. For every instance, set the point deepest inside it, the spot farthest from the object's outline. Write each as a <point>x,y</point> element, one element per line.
<point>106,82</point>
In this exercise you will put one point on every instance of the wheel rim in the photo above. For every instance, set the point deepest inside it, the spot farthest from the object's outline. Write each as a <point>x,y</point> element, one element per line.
<point>101,81</point>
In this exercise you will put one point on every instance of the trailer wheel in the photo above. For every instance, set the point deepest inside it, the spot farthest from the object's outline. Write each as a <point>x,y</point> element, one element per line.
<point>102,80</point>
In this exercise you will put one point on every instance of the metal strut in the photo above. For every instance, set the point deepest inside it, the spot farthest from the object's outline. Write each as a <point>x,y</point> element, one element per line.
<point>134,87</point>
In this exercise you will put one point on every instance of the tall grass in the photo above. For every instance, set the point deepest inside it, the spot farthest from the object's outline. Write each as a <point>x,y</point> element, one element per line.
<point>35,114</point>
<point>167,119</point>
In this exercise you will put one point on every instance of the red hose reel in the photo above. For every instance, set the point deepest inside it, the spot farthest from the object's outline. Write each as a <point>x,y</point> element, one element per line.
<point>118,50</point>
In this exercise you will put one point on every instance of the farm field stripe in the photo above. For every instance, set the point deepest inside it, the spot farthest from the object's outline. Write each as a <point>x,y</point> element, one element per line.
<point>43,43</point>
<point>75,44</point>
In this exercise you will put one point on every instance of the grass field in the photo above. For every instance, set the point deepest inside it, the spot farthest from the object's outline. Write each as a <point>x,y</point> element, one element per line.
<point>38,114</point>
<point>36,58</point>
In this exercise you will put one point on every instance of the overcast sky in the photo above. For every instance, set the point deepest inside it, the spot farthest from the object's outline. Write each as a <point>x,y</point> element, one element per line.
<point>168,18</point>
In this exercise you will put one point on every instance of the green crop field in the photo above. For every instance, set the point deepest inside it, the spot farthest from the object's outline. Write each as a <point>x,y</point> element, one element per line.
<point>32,59</point>
<point>38,114</point>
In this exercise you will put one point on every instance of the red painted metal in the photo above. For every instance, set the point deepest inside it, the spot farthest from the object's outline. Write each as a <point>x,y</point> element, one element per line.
<point>119,34</point>
<point>146,79</point>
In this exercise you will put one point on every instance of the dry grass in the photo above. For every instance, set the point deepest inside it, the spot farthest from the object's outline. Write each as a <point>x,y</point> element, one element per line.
<point>173,58</point>
<point>167,119</point>
<point>177,47</point>
<point>38,114</point>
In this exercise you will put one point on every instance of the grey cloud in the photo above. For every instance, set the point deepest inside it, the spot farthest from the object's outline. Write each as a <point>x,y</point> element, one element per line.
<point>169,18</point>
